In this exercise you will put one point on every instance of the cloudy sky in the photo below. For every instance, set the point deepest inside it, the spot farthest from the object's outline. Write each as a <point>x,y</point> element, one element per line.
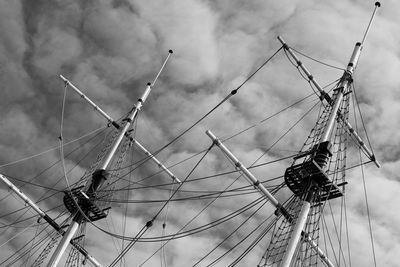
<point>111,49</point>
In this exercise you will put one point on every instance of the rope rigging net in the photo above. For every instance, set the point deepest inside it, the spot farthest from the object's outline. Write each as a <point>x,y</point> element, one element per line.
<point>277,229</point>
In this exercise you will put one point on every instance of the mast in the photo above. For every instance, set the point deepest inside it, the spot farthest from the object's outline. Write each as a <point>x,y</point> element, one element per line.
<point>280,209</point>
<point>309,180</point>
<point>47,218</point>
<point>114,123</point>
<point>83,204</point>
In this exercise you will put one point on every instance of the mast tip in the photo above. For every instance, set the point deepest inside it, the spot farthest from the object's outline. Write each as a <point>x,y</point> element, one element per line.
<point>170,51</point>
<point>378,4</point>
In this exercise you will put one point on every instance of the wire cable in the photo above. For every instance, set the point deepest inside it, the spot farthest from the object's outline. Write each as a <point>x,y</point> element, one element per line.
<point>361,118</point>
<point>233,92</point>
<point>53,148</point>
<point>366,200</point>
<point>318,61</point>
<point>150,223</point>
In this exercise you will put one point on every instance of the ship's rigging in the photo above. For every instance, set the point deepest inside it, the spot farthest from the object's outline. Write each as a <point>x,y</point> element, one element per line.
<point>296,227</point>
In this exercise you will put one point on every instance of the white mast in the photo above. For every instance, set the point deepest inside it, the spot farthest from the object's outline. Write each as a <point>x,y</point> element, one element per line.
<point>111,121</point>
<point>264,192</point>
<point>324,96</point>
<point>47,218</point>
<point>323,151</point>
<point>98,178</point>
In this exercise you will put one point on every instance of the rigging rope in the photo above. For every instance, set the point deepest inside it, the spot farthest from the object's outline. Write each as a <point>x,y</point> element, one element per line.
<point>318,61</point>
<point>269,148</point>
<point>48,168</point>
<point>217,222</point>
<point>33,242</point>
<point>170,198</point>
<point>280,138</point>
<point>228,236</point>
<point>224,173</point>
<point>150,223</point>
<point>237,228</point>
<point>325,226</point>
<point>184,132</point>
<point>233,92</point>
<point>268,228</point>
<point>366,200</point>
<point>231,137</point>
<point>51,209</point>
<point>361,117</point>
<point>163,255</point>
<point>341,253</point>
<point>198,214</point>
<point>269,117</point>
<point>126,206</point>
<point>16,235</point>
<point>54,148</point>
<point>305,77</point>
<point>347,229</point>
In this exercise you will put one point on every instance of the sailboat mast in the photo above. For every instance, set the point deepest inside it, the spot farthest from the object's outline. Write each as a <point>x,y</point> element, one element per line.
<point>321,158</point>
<point>112,122</point>
<point>98,178</point>
<point>47,218</point>
<point>325,96</point>
<point>323,151</point>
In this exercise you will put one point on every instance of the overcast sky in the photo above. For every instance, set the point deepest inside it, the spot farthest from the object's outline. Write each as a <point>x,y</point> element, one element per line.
<point>111,49</point>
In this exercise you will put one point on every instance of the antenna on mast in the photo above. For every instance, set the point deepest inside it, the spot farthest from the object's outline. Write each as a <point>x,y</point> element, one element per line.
<point>162,67</point>
<point>377,5</point>
<point>359,46</point>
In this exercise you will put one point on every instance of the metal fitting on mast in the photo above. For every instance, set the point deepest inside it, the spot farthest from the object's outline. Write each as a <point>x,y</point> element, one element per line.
<point>354,58</point>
